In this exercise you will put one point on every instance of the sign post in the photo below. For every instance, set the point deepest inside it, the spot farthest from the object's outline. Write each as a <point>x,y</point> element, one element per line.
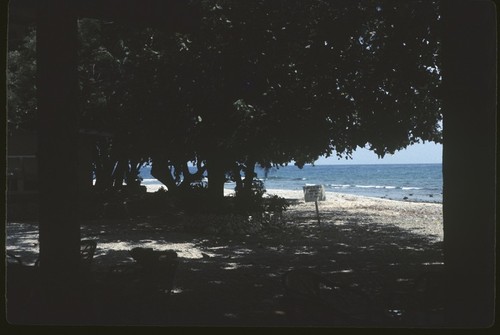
<point>314,193</point>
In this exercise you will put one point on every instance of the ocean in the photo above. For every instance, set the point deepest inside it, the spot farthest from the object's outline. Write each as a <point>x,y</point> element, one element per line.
<point>408,182</point>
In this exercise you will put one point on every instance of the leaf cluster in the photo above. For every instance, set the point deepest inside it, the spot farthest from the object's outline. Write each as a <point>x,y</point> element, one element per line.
<point>266,82</point>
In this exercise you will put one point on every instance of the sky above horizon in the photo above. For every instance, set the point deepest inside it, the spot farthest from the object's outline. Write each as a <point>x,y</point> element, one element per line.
<point>421,153</point>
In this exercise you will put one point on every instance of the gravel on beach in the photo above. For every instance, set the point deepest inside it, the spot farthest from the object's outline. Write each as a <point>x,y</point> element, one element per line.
<point>417,217</point>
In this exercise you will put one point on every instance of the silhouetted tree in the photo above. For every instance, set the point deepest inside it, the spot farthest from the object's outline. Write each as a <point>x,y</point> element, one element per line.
<point>271,82</point>
<point>112,92</point>
<point>261,82</point>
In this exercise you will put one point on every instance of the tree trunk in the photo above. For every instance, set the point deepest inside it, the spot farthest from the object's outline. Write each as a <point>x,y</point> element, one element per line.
<point>237,179</point>
<point>249,177</point>
<point>118,174</point>
<point>57,95</point>
<point>131,173</point>
<point>216,179</point>
<point>161,171</point>
<point>103,166</point>
<point>469,80</point>
<point>190,177</point>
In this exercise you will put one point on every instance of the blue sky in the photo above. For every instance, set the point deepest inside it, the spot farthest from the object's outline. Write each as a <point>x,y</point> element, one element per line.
<point>418,153</point>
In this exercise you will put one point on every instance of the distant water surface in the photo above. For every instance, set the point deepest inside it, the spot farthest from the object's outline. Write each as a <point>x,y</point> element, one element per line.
<point>411,182</point>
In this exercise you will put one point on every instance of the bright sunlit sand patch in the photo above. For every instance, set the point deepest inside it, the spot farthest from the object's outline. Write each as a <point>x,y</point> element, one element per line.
<point>22,238</point>
<point>184,250</point>
<point>243,251</point>
<point>234,266</point>
<point>177,290</point>
<point>305,253</point>
<point>342,271</point>
<point>433,263</point>
<point>217,248</point>
<point>117,246</point>
<point>231,266</point>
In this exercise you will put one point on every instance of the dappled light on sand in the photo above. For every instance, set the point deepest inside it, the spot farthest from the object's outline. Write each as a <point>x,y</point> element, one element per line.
<point>184,250</point>
<point>237,279</point>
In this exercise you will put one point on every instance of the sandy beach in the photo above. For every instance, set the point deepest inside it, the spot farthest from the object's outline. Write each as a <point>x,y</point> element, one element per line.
<point>420,218</point>
<point>416,217</point>
<point>235,279</point>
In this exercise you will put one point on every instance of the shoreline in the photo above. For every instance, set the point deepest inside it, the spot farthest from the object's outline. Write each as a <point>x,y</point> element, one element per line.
<point>422,218</point>
<point>338,210</point>
<point>299,195</point>
<point>369,242</point>
<point>417,217</point>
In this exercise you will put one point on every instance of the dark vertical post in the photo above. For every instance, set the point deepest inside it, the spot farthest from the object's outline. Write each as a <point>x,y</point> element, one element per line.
<point>317,211</point>
<point>216,178</point>
<point>469,81</point>
<point>57,94</point>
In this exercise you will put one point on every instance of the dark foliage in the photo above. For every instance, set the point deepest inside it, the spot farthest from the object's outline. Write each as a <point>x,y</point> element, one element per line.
<point>261,82</point>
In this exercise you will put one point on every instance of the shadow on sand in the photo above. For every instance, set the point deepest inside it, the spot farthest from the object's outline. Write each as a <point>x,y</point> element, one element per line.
<point>231,280</point>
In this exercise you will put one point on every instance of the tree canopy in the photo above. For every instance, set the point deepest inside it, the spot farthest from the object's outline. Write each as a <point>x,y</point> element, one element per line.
<point>261,82</point>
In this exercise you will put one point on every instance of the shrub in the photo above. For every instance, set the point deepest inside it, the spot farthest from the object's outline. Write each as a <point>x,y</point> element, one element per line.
<point>276,204</point>
<point>249,202</point>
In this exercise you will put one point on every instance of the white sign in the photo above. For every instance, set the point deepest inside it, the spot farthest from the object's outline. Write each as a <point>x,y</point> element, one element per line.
<point>314,193</point>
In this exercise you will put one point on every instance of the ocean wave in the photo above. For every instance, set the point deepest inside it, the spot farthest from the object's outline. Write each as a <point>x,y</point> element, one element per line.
<point>150,181</point>
<point>299,178</point>
<point>376,186</point>
<point>273,177</point>
<point>411,188</point>
<point>339,185</point>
